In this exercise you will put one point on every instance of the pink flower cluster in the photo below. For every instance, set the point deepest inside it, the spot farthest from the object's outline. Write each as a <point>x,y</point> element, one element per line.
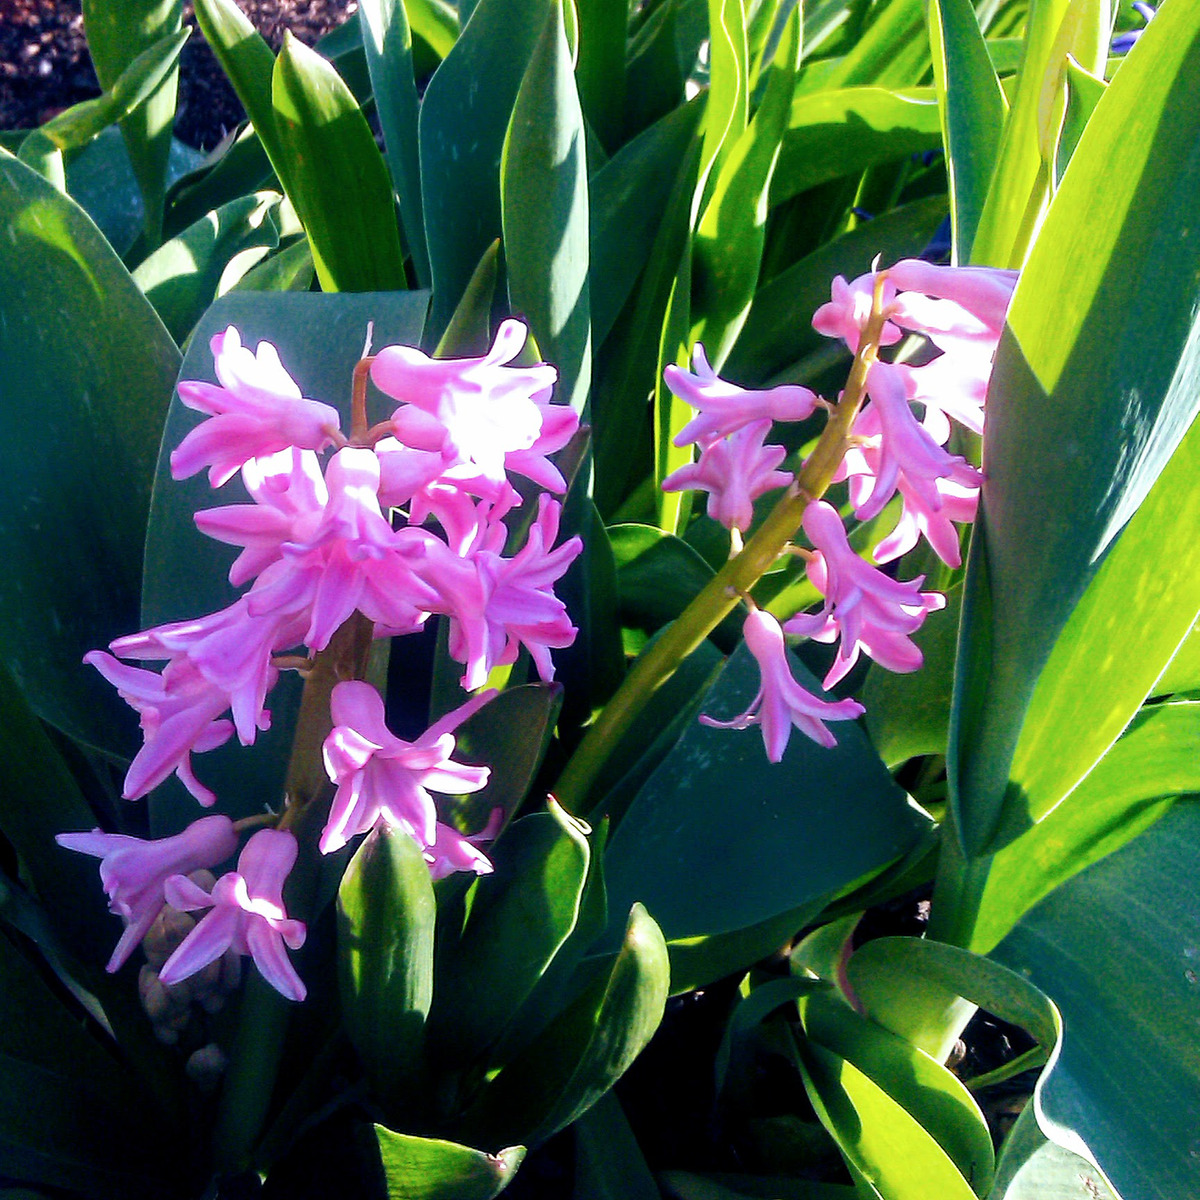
<point>318,543</point>
<point>894,450</point>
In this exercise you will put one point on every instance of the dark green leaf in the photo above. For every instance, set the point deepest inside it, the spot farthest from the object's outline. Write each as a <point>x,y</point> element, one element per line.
<point>84,416</point>
<point>386,913</point>
<point>464,118</point>
<point>336,176</point>
<point>1083,94</point>
<point>608,1161</point>
<point>238,166</point>
<point>1032,1168</point>
<point>601,69</point>
<point>544,212</point>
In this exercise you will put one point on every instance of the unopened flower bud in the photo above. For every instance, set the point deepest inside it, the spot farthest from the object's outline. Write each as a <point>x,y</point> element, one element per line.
<point>169,929</point>
<point>206,1066</point>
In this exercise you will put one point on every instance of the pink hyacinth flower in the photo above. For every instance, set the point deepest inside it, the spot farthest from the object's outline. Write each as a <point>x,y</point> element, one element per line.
<point>178,711</point>
<point>289,494</point>
<point>724,408</point>
<point>246,915</point>
<point>869,611</point>
<point>904,445</point>
<point>452,851</point>
<point>133,871</point>
<point>982,292</point>
<point>780,701</point>
<point>479,411</point>
<point>845,316</point>
<point>734,471</point>
<point>380,777</point>
<point>257,410</point>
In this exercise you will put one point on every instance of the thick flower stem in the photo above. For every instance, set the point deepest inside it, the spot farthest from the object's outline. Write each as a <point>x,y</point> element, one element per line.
<point>723,593</point>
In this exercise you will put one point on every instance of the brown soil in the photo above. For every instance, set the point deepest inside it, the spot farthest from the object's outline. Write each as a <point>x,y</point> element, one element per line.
<point>44,65</point>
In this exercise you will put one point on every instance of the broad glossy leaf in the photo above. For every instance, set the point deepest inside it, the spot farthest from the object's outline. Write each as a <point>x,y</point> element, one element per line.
<point>84,416</point>
<point>608,1161</point>
<point>236,167</point>
<point>728,244</point>
<point>337,179</point>
<point>431,1169</point>
<point>1055,28</point>
<point>1083,94</point>
<point>1183,671</point>
<point>118,31</point>
<point>909,714</point>
<point>726,109</point>
<point>919,1084</point>
<point>387,40</point>
<point>319,339</point>
<point>843,131</point>
<point>972,109</point>
<point>715,803</point>
<point>1118,949</point>
<point>519,918</point>
<point>436,22</point>
<point>1093,395</point>
<point>892,52</point>
<point>658,575</point>
<point>182,276</point>
<point>587,1048</point>
<point>1128,790</point>
<point>877,1137</point>
<point>684,1185</point>
<point>1034,1168</point>
<point>290,270</point>
<point>544,212</point>
<point>601,69</point>
<point>464,119</point>
<point>626,201</point>
<point>386,914</point>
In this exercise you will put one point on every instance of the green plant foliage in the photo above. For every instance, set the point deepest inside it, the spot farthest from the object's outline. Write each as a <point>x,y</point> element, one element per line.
<point>84,414</point>
<point>1116,946</point>
<point>1094,374</point>
<point>386,916</point>
<point>430,1169</point>
<point>1034,1168</point>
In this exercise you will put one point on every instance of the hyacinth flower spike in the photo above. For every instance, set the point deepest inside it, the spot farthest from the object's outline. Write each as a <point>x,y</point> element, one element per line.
<point>866,609</point>
<point>246,914</point>
<point>256,411</point>
<point>380,777</point>
<point>780,701</point>
<point>134,872</point>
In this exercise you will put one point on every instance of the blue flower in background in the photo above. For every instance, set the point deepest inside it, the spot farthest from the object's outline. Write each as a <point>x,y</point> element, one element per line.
<point>1123,42</point>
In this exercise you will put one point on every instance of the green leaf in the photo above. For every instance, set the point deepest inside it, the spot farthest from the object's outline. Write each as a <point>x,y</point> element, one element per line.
<point>1083,94</point>
<point>183,276</point>
<point>386,914</point>
<point>436,22</point>
<point>726,110</point>
<point>1183,671</point>
<point>1054,29</point>
<point>716,803</point>
<point>118,31</point>
<point>80,124</point>
<point>842,131</point>
<point>972,109</point>
<point>1118,948</point>
<point>909,715</point>
<point>319,338</point>
<point>877,1137</point>
<point>1032,1168</point>
<point>430,1169</point>
<point>658,575</point>
<point>289,270</point>
<point>1093,395</point>
<point>919,1084</point>
<point>627,198</point>
<point>684,1185</point>
<point>892,52</point>
<point>84,417</point>
<point>464,119</point>
<point>336,176</point>
<point>601,69</point>
<point>544,212</point>
<point>586,1049</point>
<point>238,166</point>
<point>1128,790</point>
<point>469,333</point>
<point>728,244</point>
<point>519,918</point>
<point>387,40</point>
<point>608,1161</point>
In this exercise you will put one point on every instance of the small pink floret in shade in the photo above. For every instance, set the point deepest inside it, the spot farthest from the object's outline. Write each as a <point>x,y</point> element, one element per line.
<point>478,411</point>
<point>734,472</point>
<point>256,411</point>
<point>178,710</point>
<point>781,702</point>
<point>381,778</point>
<point>870,612</point>
<point>246,914</point>
<point>133,871</point>
<point>724,408</point>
